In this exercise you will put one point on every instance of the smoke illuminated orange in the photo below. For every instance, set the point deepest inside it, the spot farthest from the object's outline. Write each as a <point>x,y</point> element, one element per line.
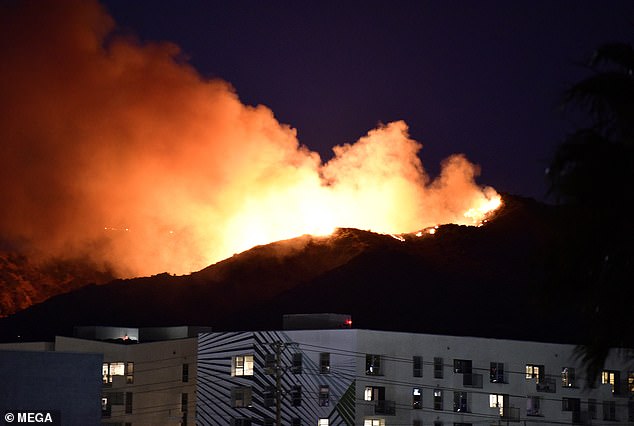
<point>124,154</point>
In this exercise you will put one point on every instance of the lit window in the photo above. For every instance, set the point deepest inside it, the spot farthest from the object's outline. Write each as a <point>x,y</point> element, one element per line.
<point>110,369</point>
<point>437,399</point>
<point>568,377</point>
<point>322,422</point>
<point>497,401</point>
<point>374,422</point>
<point>610,377</point>
<point>630,381</point>
<point>129,373</point>
<point>241,397</point>
<point>242,365</point>
<point>374,393</point>
<point>417,399</point>
<point>534,372</point>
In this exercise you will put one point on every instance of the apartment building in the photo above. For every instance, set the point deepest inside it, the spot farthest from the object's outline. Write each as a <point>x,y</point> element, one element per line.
<point>148,375</point>
<point>376,378</point>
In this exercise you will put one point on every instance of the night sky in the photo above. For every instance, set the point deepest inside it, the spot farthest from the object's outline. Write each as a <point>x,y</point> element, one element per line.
<point>482,78</point>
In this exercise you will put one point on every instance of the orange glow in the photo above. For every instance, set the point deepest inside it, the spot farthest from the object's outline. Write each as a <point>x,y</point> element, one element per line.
<point>150,167</point>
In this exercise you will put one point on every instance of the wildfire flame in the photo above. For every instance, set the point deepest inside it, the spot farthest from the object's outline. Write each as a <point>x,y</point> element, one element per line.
<point>100,129</point>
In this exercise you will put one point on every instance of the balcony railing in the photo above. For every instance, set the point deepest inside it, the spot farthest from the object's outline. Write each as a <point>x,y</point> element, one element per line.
<point>511,414</point>
<point>547,385</point>
<point>385,407</point>
<point>472,380</point>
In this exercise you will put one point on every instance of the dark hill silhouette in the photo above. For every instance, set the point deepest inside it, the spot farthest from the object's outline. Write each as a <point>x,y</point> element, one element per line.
<point>481,281</point>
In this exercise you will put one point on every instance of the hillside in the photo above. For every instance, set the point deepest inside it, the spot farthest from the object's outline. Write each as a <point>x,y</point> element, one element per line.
<point>461,280</point>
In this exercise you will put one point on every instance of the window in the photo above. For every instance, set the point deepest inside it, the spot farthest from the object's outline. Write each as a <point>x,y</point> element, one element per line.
<point>184,403</point>
<point>270,363</point>
<point>417,363</point>
<point>296,395</point>
<point>609,410</point>
<point>417,399</point>
<point>630,411</point>
<point>296,366</point>
<point>437,422</point>
<point>129,373</point>
<point>116,398</point>
<point>128,402</point>
<point>592,408</point>
<point>533,406</point>
<point>462,366</point>
<point>417,423</point>
<point>630,382</point>
<point>374,422</point>
<point>373,365</point>
<point>437,399</point>
<point>534,371</point>
<point>497,401</point>
<point>570,404</point>
<point>242,365</point>
<point>296,421</point>
<point>568,377</point>
<point>322,422</point>
<point>185,373</point>
<point>240,422</point>
<point>269,421</point>
<point>106,406</point>
<point>324,396</point>
<point>496,372</point>
<point>110,369</point>
<point>324,362</point>
<point>610,377</point>
<point>269,396</point>
<point>241,397</point>
<point>374,393</point>
<point>460,402</point>
<point>438,368</point>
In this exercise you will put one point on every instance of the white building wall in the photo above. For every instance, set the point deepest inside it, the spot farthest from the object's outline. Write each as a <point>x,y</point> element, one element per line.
<point>157,385</point>
<point>348,349</point>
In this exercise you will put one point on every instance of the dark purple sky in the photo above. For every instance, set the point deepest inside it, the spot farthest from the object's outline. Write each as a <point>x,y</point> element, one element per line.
<point>478,77</point>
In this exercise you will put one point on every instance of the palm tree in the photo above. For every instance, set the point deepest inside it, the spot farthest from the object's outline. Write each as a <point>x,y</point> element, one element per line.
<point>592,174</point>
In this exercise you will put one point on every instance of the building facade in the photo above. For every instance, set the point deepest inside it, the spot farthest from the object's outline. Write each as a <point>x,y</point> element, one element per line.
<point>377,378</point>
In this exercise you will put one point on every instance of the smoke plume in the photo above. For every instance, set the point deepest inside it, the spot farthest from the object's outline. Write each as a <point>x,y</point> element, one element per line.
<point>119,150</point>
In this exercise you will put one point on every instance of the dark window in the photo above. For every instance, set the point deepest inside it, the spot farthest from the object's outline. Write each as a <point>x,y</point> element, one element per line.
<point>269,396</point>
<point>106,406</point>
<point>438,368</point>
<point>269,421</point>
<point>417,362</point>
<point>240,422</point>
<point>462,366</point>
<point>269,363</point>
<point>185,373</point>
<point>296,367</point>
<point>570,404</point>
<point>324,362</point>
<point>296,421</point>
<point>609,410</point>
<point>324,396</point>
<point>296,395</point>
<point>592,408</point>
<point>373,365</point>
<point>496,372</point>
<point>460,404</point>
<point>184,403</point>
<point>241,397</point>
<point>128,402</point>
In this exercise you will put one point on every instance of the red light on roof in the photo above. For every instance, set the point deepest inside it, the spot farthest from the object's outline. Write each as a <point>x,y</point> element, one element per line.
<point>348,322</point>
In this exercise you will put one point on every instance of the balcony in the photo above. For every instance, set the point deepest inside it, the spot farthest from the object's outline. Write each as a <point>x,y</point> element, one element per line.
<point>472,380</point>
<point>385,407</point>
<point>547,385</point>
<point>511,414</point>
